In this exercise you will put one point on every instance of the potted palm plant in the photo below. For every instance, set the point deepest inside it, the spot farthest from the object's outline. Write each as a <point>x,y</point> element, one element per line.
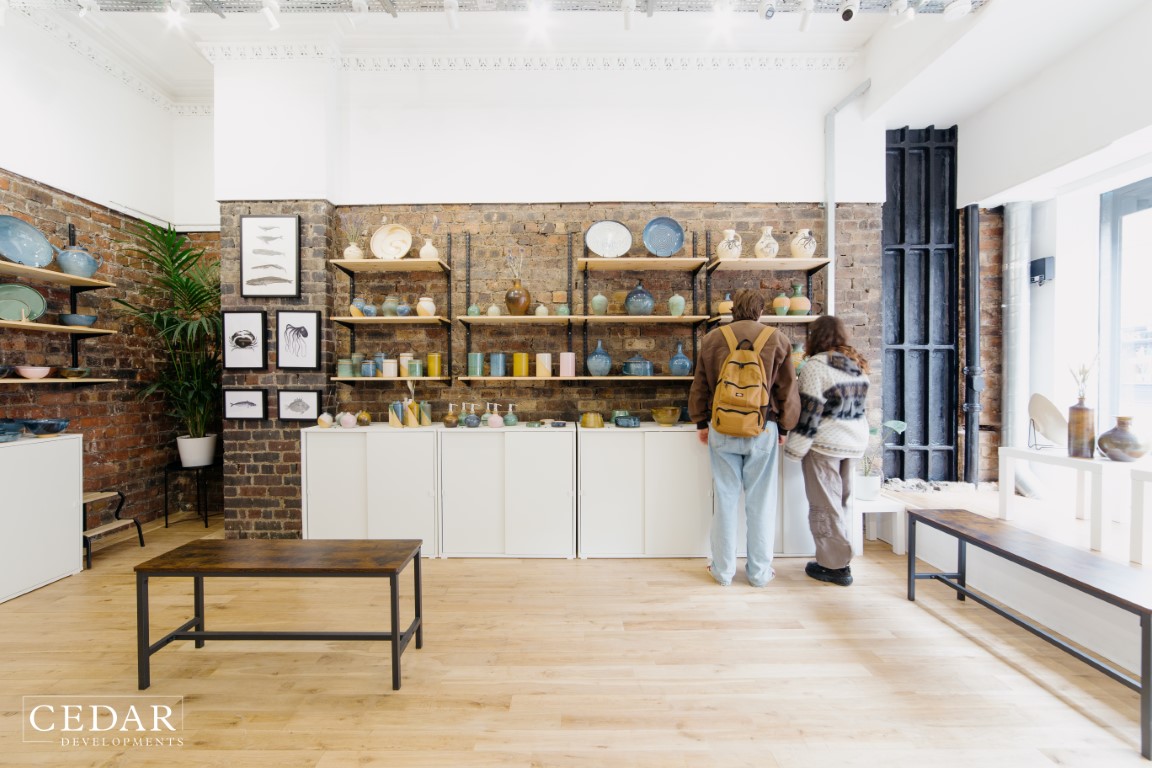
<point>870,471</point>
<point>182,310</point>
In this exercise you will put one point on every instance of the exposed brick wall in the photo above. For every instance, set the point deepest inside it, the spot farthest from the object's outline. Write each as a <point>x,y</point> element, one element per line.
<point>127,442</point>
<point>262,459</point>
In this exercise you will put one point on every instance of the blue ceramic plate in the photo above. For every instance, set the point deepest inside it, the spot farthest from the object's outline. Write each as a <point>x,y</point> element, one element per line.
<point>663,236</point>
<point>24,244</point>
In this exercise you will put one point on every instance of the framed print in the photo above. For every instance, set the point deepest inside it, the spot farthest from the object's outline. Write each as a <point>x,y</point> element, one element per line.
<point>245,343</point>
<point>270,256</point>
<point>245,404</point>
<point>298,340</point>
<point>298,404</point>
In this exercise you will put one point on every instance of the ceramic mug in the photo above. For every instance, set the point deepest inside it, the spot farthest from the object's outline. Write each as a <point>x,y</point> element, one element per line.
<point>475,363</point>
<point>497,364</point>
<point>543,364</point>
<point>434,362</point>
<point>567,363</point>
<point>519,363</point>
<point>415,367</point>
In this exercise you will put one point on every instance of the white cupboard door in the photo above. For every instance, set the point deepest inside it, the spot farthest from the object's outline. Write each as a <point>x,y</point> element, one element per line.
<point>335,485</point>
<point>793,536</point>
<point>611,493</point>
<point>677,494</point>
<point>472,492</point>
<point>40,528</point>
<point>539,493</point>
<point>402,486</point>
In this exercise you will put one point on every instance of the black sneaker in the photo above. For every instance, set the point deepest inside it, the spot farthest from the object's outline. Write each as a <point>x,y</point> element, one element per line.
<point>841,576</point>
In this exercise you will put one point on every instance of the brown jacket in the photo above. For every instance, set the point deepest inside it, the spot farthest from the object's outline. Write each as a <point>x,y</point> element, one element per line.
<point>784,404</point>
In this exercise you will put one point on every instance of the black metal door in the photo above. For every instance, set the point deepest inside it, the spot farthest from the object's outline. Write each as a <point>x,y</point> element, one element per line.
<point>920,298</point>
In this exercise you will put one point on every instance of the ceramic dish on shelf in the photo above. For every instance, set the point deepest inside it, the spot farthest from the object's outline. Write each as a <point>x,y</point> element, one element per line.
<point>663,237</point>
<point>41,427</point>
<point>9,437</point>
<point>74,373</point>
<point>391,241</point>
<point>14,297</point>
<point>33,371</point>
<point>24,244</point>
<point>68,318</point>
<point>608,239</point>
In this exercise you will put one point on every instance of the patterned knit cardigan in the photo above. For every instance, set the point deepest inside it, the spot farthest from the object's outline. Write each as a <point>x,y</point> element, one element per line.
<point>832,417</point>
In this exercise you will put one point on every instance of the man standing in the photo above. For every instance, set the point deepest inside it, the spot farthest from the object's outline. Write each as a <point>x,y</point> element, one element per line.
<point>748,463</point>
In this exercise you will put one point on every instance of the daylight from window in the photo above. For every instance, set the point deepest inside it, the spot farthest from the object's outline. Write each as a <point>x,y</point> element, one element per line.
<point>1136,320</point>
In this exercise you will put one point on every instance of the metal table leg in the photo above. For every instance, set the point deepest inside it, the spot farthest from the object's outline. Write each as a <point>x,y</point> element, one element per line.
<point>143,673</point>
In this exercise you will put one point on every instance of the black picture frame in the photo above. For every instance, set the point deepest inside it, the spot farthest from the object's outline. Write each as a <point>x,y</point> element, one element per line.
<point>245,340</point>
<point>298,404</point>
<point>244,404</point>
<point>270,256</point>
<point>298,340</point>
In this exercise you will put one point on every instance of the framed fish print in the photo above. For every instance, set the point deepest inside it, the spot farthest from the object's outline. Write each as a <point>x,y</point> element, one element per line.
<point>298,340</point>
<point>245,404</point>
<point>298,404</point>
<point>270,256</point>
<point>245,342</point>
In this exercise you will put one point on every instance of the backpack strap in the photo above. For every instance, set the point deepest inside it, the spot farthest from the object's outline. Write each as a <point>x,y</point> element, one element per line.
<point>731,337</point>
<point>761,340</point>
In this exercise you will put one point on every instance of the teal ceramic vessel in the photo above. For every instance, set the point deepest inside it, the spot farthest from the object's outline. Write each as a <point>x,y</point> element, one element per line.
<point>680,364</point>
<point>639,300</point>
<point>599,363</point>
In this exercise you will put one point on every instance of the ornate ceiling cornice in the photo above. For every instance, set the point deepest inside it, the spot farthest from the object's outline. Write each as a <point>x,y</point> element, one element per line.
<point>219,53</point>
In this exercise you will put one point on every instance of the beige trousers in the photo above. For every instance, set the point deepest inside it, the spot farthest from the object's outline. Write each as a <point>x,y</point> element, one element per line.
<point>828,484</point>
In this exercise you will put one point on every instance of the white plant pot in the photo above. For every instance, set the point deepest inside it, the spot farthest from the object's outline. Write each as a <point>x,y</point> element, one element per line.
<point>867,487</point>
<point>196,451</point>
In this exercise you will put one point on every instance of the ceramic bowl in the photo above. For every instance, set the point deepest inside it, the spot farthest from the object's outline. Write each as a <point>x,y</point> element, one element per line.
<point>8,437</point>
<point>591,420</point>
<point>11,427</point>
<point>74,373</point>
<point>45,426</point>
<point>68,318</point>
<point>627,421</point>
<point>666,415</point>
<point>5,370</point>
<point>33,371</point>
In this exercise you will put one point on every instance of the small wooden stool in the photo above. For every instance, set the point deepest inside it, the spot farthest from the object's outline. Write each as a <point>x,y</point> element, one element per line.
<point>117,524</point>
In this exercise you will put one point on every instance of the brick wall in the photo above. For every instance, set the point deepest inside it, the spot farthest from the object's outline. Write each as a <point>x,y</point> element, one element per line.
<point>127,442</point>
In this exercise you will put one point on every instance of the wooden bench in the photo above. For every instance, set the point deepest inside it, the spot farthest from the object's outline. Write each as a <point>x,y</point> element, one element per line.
<point>117,524</point>
<point>1114,583</point>
<point>250,558</point>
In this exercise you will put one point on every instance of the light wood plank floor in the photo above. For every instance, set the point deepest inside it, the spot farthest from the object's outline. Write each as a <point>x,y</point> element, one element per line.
<point>537,663</point>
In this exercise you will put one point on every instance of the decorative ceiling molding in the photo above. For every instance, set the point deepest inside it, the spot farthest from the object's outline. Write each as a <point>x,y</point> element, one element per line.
<point>751,62</point>
<point>222,53</point>
<point>111,66</point>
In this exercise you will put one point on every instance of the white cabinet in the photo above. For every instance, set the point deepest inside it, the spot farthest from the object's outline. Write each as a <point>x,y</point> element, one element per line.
<point>372,482</point>
<point>644,492</point>
<point>40,519</point>
<point>508,492</point>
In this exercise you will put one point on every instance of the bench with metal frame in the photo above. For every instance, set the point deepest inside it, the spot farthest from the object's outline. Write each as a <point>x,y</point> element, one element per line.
<point>116,524</point>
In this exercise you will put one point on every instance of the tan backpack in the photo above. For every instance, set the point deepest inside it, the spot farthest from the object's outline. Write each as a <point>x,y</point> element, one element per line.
<point>741,388</point>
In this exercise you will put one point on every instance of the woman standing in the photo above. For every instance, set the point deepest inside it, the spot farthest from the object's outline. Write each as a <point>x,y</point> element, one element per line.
<point>831,434</point>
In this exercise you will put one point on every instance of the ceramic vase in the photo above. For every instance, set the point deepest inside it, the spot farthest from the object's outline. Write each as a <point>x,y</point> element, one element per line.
<point>563,310</point>
<point>803,246</point>
<point>781,304</point>
<point>680,364</point>
<point>473,310</point>
<point>599,363</point>
<point>451,420</point>
<point>599,304</point>
<point>766,247</point>
<point>798,303</point>
<point>639,300</point>
<point>429,251</point>
<point>1081,431</point>
<point>1122,444</point>
<point>353,251</point>
<point>517,299</point>
<point>494,310</point>
<point>676,305</point>
<point>403,310</point>
<point>425,307</point>
<point>725,307</point>
<point>388,308</point>
<point>797,355</point>
<point>541,310</point>
<point>730,247</point>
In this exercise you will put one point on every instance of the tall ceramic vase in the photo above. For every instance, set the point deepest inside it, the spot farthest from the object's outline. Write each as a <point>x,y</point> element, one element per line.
<point>803,246</point>
<point>766,247</point>
<point>517,298</point>
<point>730,246</point>
<point>1081,431</point>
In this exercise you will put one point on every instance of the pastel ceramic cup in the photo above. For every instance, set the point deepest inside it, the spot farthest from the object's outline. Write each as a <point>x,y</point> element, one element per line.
<point>415,367</point>
<point>497,364</point>
<point>567,363</point>
<point>543,364</point>
<point>434,362</point>
<point>390,368</point>
<point>405,358</point>
<point>475,363</point>
<point>519,363</point>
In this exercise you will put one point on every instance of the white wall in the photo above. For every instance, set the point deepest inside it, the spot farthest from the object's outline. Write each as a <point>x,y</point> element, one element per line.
<point>69,125</point>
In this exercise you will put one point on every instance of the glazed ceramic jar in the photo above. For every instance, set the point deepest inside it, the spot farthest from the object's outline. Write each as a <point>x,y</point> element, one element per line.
<point>729,247</point>
<point>425,307</point>
<point>803,246</point>
<point>639,300</point>
<point>680,364</point>
<point>766,247</point>
<point>599,363</point>
<point>1122,444</point>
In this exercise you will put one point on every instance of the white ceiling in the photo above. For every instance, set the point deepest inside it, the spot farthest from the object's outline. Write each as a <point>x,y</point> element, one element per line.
<point>939,71</point>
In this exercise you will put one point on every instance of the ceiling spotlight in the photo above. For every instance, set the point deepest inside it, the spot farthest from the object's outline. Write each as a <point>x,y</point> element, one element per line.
<point>271,11</point>
<point>628,6</point>
<point>452,11</point>
<point>957,9</point>
<point>849,9</point>
<point>767,9</point>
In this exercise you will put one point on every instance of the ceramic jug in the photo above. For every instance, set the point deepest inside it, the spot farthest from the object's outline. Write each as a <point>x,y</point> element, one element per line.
<point>803,246</point>
<point>731,246</point>
<point>75,260</point>
<point>766,247</point>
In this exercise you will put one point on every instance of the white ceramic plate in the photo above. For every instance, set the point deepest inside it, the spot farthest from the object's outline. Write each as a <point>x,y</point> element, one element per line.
<point>391,241</point>
<point>608,239</point>
<point>1050,423</point>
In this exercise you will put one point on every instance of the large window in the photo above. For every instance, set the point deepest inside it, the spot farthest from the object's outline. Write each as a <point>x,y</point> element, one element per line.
<point>1126,372</point>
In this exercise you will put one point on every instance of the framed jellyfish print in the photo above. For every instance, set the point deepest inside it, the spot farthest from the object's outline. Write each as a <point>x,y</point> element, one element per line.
<point>298,340</point>
<point>245,340</point>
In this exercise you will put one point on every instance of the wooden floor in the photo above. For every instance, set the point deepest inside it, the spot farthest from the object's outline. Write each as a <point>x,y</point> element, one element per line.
<point>534,663</point>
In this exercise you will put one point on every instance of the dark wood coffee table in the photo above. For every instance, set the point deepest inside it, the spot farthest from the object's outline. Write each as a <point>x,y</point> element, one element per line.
<point>252,558</point>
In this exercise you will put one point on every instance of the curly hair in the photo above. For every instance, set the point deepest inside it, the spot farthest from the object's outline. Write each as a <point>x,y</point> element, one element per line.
<point>829,334</point>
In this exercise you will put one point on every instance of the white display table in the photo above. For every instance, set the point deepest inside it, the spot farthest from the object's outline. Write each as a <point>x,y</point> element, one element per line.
<point>40,519</point>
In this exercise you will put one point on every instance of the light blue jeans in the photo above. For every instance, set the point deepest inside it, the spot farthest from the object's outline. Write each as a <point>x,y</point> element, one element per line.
<point>750,464</point>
